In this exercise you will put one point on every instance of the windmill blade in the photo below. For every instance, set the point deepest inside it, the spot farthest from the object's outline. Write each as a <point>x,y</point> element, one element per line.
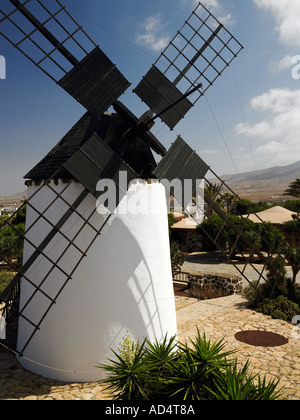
<point>70,57</point>
<point>182,163</point>
<point>95,82</point>
<point>95,160</point>
<point>199,53</point>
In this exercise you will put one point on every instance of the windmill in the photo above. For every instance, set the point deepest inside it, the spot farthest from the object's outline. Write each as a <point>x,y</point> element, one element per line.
<point>90,275</point>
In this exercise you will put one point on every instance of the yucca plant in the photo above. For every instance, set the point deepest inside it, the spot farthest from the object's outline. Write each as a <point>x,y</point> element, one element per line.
<point>197,370</point>
<point>139,372</point>
<point>238,384</point>
<point>209,354</point>
<point>159,358</point>
<point>187,379</point>
<point>127,375</point>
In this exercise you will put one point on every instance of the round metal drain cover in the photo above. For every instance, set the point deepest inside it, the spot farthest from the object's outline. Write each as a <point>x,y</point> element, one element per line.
<point>261,338</point>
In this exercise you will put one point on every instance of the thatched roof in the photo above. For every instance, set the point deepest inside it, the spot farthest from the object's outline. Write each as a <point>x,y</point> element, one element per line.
<point>276,215</point>
<point>185,223</point>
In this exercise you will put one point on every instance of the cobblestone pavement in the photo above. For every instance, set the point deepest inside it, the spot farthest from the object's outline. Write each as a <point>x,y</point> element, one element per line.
<point>16,383</point>
<point>224,317</point>
<point>218,318</point>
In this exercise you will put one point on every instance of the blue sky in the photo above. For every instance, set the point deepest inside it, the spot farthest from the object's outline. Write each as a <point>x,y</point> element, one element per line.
<point>249,120</point>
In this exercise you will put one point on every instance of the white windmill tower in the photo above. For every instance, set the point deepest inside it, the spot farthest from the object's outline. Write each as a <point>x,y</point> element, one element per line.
<point>89,276</point>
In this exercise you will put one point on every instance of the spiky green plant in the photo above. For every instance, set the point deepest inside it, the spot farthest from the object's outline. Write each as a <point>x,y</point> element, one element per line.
<point>200,365</point>
<point>240,385</point>
<point>127,376</point>
<point>197,370</point>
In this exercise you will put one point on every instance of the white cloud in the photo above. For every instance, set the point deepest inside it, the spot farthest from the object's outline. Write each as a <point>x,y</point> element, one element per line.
<point>276,136</point>
<point>151,35</point>
<point>211,5</point>
<point>277,101</point>
<point>285,63</point>
<point>214,7</point>
<point>209,152</point>
<point>151,32</point>
<point>287,14</point>
<point>276,133</point>
<point>256,130</point>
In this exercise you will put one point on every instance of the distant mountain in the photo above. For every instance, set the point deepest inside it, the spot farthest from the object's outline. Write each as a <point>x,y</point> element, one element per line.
<point>265,185</point>
<point>15,199</point>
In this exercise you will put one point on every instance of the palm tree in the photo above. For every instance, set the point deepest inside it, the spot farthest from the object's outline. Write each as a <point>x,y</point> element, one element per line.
<point>211,190</point>
<point>229,202</point>
<point>293,189</point>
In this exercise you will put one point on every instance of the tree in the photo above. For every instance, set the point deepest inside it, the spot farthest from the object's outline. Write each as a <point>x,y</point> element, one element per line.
<point>211,190</point>
<point>244,206</point>
<point>11,242</point>
<point>272,239</point>
<point>228,201</point>
<point>293,189</point>
<point>225,237</point>
<point>292,254</point>
<point>171,221</point>
<point>212,228</point>
<point>292,205</point>
<point>177,257</point>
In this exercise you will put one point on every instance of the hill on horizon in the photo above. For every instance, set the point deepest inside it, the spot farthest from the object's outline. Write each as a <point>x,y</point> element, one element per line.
<point>265,184</point>
<point>13,200</point>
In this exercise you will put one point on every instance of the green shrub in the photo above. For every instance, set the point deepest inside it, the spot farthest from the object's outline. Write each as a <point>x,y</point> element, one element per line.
<point>292,205</point>
<point>292,226</point>
<point>279,308</point>
<point>239,385</point>
<point>292,254</point>
<point>254,294</point>
<point>272,240</point>
<point>199,370</point>
<point>266,237</point>
<point>11,243</point>
<point>277,284</point>
<point>128,376</point>
<point>5,278</point>
<point>293,292</point>
<point>177,257</point>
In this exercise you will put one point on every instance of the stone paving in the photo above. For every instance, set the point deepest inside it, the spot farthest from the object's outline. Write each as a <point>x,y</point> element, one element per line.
<point>224,317</point>
<point>16,383</point>
<point>218,318</point>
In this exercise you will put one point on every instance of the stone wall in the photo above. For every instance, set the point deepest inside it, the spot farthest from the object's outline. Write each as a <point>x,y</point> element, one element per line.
<point>229,282</point>
<point>188,240</point>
